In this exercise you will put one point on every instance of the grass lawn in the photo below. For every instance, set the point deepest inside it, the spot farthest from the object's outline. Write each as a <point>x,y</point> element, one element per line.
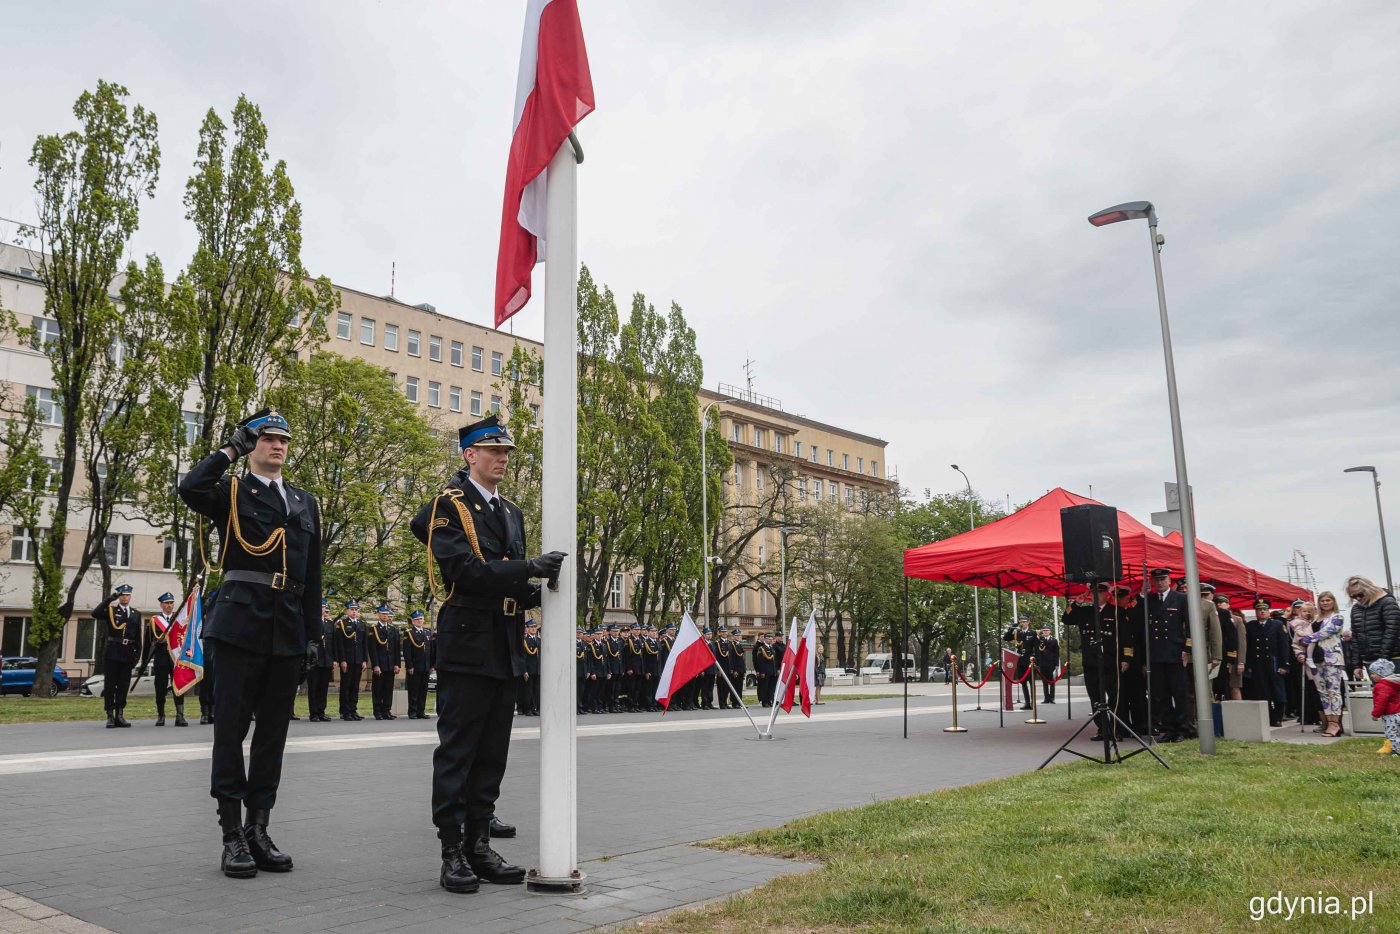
<point>1084,847</point>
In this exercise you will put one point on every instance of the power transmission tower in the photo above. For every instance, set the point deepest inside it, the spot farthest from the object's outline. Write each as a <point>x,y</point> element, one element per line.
<point>1300,572</point>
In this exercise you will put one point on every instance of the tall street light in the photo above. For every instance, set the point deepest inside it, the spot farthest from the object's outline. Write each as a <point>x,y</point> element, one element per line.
<point>1385,551</point>
<point>1135,210</point>
<point>976,609</point>
<point>782,561</point>
<point>705,507</point>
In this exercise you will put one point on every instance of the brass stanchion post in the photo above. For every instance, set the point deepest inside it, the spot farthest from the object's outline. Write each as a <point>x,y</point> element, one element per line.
<point>955,728</point>
<point>1035,704</point>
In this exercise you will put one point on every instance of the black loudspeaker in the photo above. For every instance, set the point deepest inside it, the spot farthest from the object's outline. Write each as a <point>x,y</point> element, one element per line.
<point>1090,535</point>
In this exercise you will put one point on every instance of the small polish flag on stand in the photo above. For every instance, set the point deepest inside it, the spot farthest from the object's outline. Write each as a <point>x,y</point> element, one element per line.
<point>804,663</point>
<point>689,656</point>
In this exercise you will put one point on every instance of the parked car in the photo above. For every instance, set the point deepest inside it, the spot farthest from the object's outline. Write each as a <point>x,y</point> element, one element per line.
<point>92,687</point>
<point>17,676</point>
<point>882,663</point>
<point>935,673</point>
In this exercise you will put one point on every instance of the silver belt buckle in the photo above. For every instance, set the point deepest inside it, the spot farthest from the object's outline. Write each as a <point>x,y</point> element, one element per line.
<point>509,606</point>
<point>279,581</point>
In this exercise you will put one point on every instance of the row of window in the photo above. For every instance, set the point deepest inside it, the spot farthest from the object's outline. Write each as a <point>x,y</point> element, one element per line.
<point>807,452</point>
<point>23,547</point>
<point>815,487</point>
<point>617,600</point>
<point>413,343</point>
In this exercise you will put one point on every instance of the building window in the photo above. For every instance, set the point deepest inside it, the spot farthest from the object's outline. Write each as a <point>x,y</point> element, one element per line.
<point>758,436</point>
<point>434,394</point>
<point>860,465</point>
<point>391,337</point>
<point>476,403</point>
<point>739,474</point>
<point>45,479</point>
<point>410,388</point>
<point>534,414</point>
<point>797,446</point>
<point>833,491</point>
<point>15,640</point>
<point>454,398</point>
<point>845,462</point>
<point>801,487</point>
<point>874,468</point>
<point>814,453</point>
<point>738,433</point>
<point>22,547</point>
<point>85,646</point>
<point>367,331</point>
<point>45,333</point>
<point>778,444</point>
<point>415,341</point>
<point>476,358</point>
<point>743,599</point>
<point>817,489</point>
<point>758,484</point>
<point>172,551</point>
<point>615,592</point>
<point>190,422</point>
<point>455,354</point>
<point>49,411</point>
<point>496,404</point>
<point>830,457</point>
<point>118,550</point>
<point>496,361</point>
<point>850,494</point>
<point>343,323</point>
<point>434,348</point>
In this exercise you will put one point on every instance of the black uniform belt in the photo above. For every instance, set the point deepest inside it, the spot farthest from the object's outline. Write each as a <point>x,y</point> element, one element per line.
<point>507,606</point>
<point>275,581</point>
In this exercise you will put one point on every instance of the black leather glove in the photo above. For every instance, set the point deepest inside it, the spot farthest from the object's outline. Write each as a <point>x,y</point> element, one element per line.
<point>244,439</point>
<point>546,565</point>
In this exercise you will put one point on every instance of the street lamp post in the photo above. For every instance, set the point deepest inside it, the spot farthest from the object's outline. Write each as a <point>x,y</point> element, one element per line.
<point>976,608</point>
<point>705,509</point>
<point>1380,517</point>
<point>1134,210</point>
<point>782,564</point>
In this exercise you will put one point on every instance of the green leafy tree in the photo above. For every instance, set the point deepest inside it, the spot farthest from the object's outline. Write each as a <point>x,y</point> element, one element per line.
<point>520,386</point>
<point>245,308</point>
<point>370,459</point>
<point>90,183</point>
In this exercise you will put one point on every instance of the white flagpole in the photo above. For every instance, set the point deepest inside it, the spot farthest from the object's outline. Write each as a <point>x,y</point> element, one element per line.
<point>781,687</point>
<point>558,867</point>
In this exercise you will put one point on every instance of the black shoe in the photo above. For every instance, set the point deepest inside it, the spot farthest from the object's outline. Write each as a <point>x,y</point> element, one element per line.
<point>237,861</point>
<point>500,828</point>
<point>391,716</point>
<point>378,717</point>
<point>1043,703</point>
<point>111,719</point>
<point>456,876</point>
<point>346,717</point>
<point>205,719</point>
<point>295,717</point>
<point>121,717</point>
<point>160,719</point>
<point>1272,723</point>
<point>180,718</point>
<point>1096,738</point>
<point>265,853</point>
<point>486,862</point>
<point>1027,707</point>
<point>356,716</point>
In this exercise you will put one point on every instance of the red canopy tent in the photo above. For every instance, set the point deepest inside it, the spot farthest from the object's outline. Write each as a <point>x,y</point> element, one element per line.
<point>1238,580</point>
<point>1024,550</point>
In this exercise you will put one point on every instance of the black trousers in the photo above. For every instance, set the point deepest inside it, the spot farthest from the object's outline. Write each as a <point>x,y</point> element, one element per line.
<point>474,719</point>
<point>1021,669</point>
<point>1132,700</point>
<point>116,683</point>
<point>350,689</point>
<point>382,691</point>
<point>162,678</point>
<point>206,684</point>
<point>1103,690</point>
<point>416,685</point>
<point>1169,697</point>
<point>318,686</point>
<point>1048,685</point>
<point>707,688</point>
<point>251,683</point>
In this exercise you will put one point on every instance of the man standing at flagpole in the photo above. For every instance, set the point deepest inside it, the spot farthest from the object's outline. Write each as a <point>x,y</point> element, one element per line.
<point>476,539</point>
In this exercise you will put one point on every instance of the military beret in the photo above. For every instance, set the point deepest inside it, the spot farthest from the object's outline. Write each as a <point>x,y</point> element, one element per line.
<point>166,598</point>
<point>489,432</point>
<point>124,588</point>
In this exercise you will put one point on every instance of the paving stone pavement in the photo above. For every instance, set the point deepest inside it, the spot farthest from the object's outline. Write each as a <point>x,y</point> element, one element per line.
<point>114,830</point>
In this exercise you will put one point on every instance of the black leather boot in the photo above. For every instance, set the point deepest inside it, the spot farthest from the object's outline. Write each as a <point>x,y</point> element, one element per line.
<point>121,717</point>
<point>486,862</point>
<point>160,715</point>
<point>265,852</point>
<point>111,719</point>
<point>180,715</point>
<point>456,876</point>
<point>237,861</point>
<point>500,828</point>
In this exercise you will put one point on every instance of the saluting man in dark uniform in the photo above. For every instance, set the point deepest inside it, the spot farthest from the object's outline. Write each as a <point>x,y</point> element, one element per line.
<point>476,543</point>
<point>120,625</point>
<point>265,622</point>
<point>1166,651</point>
<point>417,648</point>
<point>318,677</point>
<point>1023,637</point>
<point>157,654</point>
<point>382,641</point>
<point>350,657</point>
<point>1098,640</point>
<point>1047,662</point>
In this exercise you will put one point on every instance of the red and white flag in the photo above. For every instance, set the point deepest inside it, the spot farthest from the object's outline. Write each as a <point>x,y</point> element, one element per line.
<point>804,665</point>
<point>553,92</point>
<point>689,656</point>
<point>787,675</point>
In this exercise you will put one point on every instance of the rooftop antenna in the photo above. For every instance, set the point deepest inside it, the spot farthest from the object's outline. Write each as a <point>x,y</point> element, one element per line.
<point>393,276</point>
<point>748,377</point>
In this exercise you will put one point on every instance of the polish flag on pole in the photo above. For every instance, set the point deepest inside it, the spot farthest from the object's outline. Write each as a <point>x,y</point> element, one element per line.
<point>553,92</point>
<point>689,656</point>
<point>787,676</point>
<point>804,665</point>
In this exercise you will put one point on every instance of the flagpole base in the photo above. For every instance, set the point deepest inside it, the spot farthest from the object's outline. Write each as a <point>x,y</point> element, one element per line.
<point>545,885</point>
<point>955,729</point>
<point>763,736</point>
<point>1035,721</point>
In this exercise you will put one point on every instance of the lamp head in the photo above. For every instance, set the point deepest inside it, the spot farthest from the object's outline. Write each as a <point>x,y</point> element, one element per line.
<point>1129,210</point>
<point>1366,469</point>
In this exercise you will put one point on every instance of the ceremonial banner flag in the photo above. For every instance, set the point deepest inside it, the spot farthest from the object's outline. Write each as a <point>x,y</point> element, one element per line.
<point>189,660</point>
<point>689,656</point>
<point>553,92</point>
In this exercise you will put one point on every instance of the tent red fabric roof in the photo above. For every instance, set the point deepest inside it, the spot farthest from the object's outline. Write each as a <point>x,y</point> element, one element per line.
<point>1024,551</point>
<point>1238,580</point>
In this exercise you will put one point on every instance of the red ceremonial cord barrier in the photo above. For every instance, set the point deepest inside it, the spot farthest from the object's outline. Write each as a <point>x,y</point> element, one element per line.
<point>1063,669</point>
<point>987,677</point>
<point>1021,680</point>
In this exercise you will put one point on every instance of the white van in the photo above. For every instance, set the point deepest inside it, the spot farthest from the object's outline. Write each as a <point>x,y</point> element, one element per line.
<point>882,663</point>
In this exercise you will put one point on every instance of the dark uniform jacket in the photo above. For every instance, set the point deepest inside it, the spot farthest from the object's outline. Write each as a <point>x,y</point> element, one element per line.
<point>1268,647</point>
<point>349,641</point>
<point>121,627</point>
<point>481,628</point>
<point>532,656</point>
<point>258,617</point>
<point>1047,656</point>
<point>157,643</point>
<point>612,654</point>
<point>632,655</point>
<point>382,645</point>
<point>1024,640</point>
<point>765,660</point>
<point>325,644</point>
<point>1166,626</point>
<point>1229,637</point>
<point>417,649</point>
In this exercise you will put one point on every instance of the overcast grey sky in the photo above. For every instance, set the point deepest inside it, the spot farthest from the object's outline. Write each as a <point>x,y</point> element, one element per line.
<point>882,204</point>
